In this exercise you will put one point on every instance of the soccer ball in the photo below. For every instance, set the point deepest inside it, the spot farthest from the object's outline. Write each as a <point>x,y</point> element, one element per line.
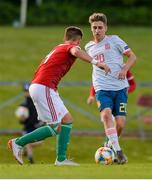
<point>22,112</point>
<point>104,155</point>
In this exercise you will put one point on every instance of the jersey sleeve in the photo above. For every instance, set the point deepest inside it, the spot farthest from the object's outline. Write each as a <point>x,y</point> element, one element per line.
<point>71,46</point>
<point>121,45</point>
<point>92,91</point>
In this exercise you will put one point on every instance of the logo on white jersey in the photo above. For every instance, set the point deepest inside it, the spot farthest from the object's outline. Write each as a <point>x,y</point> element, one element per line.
<point>107,46</point>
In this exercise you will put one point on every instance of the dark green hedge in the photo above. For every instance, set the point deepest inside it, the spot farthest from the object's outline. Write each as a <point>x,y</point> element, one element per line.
<point>53,13</point>
<point>127,12</point>
<point>8,13</point>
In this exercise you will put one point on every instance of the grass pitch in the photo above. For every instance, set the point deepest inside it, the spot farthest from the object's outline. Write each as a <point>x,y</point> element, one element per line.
<point>89,171</point>
<point>21,50</point>
<point>82,149</point>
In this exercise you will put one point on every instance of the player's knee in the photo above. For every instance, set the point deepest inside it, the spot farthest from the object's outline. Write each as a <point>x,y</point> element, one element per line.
<point>106,116</point>
<point>120,125</point>
<point>67,119</point>
<point>120,122</point>
<point>56,128</point>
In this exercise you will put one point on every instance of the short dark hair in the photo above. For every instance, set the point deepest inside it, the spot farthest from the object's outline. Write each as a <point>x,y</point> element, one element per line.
<point>72,33</point>
<point>98,17</point>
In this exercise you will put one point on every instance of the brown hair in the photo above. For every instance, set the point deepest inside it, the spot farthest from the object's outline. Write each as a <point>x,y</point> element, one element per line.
<point>72,33</point>
<point>98,17</point>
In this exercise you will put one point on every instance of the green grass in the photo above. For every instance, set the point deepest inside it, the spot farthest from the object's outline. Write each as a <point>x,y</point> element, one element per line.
<point>85,171</point>
<point>82,149</point>
<point>21,50</point>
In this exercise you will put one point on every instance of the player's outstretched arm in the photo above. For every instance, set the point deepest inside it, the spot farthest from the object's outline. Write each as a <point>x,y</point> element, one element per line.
<point>77,52</point>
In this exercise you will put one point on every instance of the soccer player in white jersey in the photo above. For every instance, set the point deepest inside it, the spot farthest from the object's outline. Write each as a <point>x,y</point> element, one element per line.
<point>111,89</point>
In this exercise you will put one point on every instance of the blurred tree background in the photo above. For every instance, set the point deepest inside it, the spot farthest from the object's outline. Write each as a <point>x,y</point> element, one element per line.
<point>52,12</point>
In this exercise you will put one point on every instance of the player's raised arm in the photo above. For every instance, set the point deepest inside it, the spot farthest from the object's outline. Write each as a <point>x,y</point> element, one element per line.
<point>77,52</point>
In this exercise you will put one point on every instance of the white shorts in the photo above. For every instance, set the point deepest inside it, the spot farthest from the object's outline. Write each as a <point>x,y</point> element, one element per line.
<point>49,106</point>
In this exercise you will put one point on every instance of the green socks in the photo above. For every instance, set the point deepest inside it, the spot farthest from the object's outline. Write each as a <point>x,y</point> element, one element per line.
<point>36,135</point>
<point>46,131</point>
<point>63,140</point>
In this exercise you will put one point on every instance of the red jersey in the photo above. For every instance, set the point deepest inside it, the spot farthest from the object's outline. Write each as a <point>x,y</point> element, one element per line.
<point>131,81</point>
<point>56,64</point>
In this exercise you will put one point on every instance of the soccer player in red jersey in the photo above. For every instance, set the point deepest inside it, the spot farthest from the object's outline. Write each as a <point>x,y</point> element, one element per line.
<point>49,106</point>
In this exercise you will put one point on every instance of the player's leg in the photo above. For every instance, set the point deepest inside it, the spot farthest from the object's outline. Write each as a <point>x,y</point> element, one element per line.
<point>120,124</point>
<point>63,138</point>
<point>106,141</point>
<point>29,152</point>
<point>44,104</point>
<point>37,135</point>
<point>113,142</point>
<point>110,129</point>
<point>105,102</point>
<point>120,115</point>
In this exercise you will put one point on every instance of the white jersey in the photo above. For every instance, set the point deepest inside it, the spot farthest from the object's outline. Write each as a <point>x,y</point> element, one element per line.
<point>109,51</point>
